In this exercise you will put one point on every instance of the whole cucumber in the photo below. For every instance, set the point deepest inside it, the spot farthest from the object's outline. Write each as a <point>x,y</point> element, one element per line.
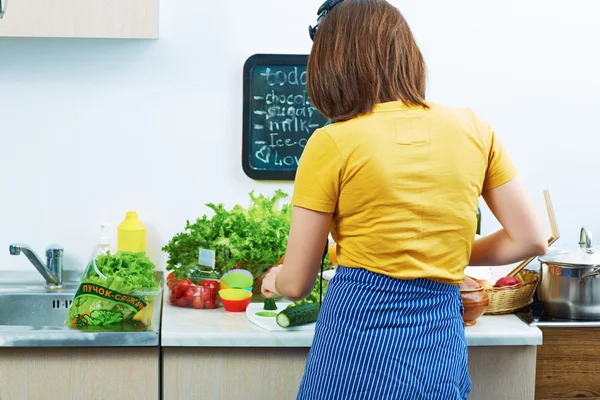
<point>298,315</point>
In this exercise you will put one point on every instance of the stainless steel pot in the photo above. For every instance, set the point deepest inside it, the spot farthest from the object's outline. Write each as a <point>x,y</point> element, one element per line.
<point>570,281</point>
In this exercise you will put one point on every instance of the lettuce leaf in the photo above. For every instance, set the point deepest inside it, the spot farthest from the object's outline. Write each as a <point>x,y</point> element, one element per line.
<point>253,238</point>
<point>125,273</point>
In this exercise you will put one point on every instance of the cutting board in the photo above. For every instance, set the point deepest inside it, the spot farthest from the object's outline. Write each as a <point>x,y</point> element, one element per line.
<point>269,323</point>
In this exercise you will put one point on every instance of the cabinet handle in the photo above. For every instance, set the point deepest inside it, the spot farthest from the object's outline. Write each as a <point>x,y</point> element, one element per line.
<point>2,9</point>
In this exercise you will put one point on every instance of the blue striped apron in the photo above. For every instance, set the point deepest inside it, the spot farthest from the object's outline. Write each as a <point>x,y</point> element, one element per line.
<point>383,338</point>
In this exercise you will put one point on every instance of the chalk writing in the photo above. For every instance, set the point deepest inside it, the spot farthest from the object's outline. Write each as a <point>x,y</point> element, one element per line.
<point>282,117</point>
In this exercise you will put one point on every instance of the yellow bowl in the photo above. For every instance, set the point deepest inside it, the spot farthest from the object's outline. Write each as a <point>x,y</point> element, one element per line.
<point>234,294</point>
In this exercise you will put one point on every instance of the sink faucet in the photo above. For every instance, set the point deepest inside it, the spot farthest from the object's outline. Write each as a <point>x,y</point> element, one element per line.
<point>51,271</point>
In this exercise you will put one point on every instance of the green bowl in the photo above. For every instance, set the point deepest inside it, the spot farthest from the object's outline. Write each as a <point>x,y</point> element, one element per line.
<point>237,280</point>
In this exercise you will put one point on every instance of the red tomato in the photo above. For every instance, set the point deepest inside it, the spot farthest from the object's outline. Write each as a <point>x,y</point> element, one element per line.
<point>184,285</point>
<point>209,283</point>
<point>183,302</point>
<point>171,276</point>
<point>207,294</point>
<point>172,299</point>
<point>209,303</point>
<point>190,293</point>
<point>197,302</point>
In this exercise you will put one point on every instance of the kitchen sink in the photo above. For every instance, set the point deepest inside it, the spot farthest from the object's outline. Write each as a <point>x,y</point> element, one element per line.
<point>32,315</point>
<point>35,309</point>
<point>25,301</point>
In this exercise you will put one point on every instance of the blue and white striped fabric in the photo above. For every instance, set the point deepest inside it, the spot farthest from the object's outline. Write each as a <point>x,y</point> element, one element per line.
<point>383,338</point>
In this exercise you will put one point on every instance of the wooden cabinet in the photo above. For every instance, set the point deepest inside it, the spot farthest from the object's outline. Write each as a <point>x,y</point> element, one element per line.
<point>80,18</point>
<point>497,372</point>
<point>79,373</point>
<point>232,373</point>
<point>568,364</point>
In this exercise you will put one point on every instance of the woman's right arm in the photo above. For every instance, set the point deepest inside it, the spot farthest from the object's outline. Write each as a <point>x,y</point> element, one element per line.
<point>522,234</point>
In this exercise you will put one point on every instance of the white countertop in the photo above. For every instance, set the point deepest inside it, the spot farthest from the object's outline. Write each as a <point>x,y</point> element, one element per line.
<point>186,327</point>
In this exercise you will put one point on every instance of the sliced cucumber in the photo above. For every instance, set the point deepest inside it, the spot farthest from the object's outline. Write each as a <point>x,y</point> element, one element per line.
<point>298,315</point>
<point>270,304</point>
<point>266,314</point>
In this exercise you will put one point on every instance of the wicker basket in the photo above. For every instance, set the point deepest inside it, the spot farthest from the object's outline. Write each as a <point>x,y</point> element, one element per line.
<point>509,299</point>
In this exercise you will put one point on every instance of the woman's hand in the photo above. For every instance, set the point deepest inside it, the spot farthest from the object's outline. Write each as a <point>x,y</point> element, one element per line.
<point>268,283</point>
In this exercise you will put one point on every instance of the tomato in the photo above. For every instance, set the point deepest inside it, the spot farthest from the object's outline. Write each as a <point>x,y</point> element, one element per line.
<point>184,285</point>
<point>197,302</point>
<point>172,299</point>
<point>171,284</point>
<point>190,293</point>
<point>183,302</point>
<point>171,276</point>
<point>207,293</point>
<point>209,303</point>
<point>209,284</point>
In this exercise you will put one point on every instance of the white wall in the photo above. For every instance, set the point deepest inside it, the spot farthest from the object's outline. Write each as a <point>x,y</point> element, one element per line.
<point>91,128</point>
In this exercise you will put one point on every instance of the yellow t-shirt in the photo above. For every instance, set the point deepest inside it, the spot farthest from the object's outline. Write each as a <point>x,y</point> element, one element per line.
<point>403,184</point>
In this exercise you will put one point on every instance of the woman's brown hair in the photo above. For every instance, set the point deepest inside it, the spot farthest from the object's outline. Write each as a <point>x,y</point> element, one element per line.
<point>363,54</point>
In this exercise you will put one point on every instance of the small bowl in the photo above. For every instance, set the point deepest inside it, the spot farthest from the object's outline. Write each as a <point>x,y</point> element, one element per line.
<point>223,286</point>
<point>237,279</point>
<point>236,305</point>
<point>475,302</point>
<point>234,294</point>
<point>235,300</point>
<point>237,271</point>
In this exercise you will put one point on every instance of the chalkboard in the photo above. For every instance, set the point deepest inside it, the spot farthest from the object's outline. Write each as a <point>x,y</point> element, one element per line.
<point>278,115</point>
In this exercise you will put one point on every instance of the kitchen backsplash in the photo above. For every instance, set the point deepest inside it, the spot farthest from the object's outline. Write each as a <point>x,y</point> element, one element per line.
<point>94,128</point>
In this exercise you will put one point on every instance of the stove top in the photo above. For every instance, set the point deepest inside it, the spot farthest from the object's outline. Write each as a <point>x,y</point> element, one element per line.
<point>534,316</point>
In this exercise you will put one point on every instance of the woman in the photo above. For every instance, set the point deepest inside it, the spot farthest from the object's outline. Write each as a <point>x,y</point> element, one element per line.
<point>397,180</point>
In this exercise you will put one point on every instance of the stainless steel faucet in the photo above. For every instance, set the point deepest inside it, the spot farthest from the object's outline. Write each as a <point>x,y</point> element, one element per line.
<point>52,271</point>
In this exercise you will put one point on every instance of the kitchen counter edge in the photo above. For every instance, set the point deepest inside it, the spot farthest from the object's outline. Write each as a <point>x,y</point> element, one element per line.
<point>185,327</point>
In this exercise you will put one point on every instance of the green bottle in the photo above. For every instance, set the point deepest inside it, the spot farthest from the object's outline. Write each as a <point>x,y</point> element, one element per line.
<point>478,231</point>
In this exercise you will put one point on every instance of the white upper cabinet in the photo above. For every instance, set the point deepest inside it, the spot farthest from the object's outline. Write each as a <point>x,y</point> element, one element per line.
<point>134,19</point>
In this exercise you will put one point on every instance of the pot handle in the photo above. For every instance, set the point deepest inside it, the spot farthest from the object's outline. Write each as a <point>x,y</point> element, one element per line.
<point>591,274</point>
<point>586,277</point>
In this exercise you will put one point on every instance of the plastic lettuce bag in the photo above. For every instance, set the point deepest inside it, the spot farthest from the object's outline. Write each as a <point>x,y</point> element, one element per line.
<point>115,290</point>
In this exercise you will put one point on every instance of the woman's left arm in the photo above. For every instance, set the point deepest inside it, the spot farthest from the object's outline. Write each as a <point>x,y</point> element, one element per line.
<point>306,243</point>
<point>316,193</point>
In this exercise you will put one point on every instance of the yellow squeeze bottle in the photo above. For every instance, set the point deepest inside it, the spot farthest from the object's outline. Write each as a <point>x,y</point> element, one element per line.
<point>131,235</point>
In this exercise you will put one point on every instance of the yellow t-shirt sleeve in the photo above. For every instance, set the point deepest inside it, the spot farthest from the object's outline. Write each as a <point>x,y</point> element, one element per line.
<point>318,177</point>
<point>500,169</point>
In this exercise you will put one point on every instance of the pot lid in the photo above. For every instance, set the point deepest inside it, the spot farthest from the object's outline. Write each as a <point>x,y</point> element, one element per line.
<point>582,255</point>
